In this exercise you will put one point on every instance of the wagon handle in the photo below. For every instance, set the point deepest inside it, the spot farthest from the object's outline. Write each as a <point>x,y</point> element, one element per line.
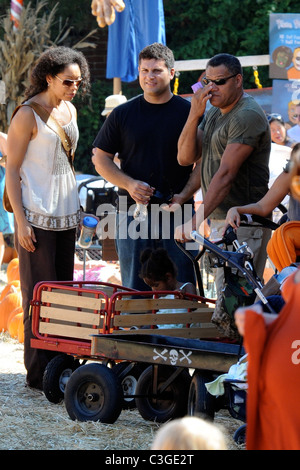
<point>194,260</point>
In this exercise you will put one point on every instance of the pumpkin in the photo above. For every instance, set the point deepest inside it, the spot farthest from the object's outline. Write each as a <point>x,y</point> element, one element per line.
<point>13,286</point>
<point>9,254</point>
<point>7,305</point>
<point>14,312</point>
<point>15,318</point>
<point>21,330</point>
<point>12,271</point>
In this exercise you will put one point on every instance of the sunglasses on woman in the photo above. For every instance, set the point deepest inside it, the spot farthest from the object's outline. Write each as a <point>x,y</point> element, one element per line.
<point>274,117</point>
<point>68,83</point>
<point>218,81</point>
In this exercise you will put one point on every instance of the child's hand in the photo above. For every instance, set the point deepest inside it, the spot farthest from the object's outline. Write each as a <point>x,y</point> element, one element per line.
<point>233,218</point>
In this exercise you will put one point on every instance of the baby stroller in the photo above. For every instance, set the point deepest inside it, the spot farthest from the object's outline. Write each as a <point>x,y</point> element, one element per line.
<point>284,254</point>
<point>239,260</point>
<point>235,390</point>
<point>284,247</point>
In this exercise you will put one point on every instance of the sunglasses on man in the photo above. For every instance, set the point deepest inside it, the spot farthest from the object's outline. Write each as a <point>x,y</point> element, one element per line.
<point>218,81</point>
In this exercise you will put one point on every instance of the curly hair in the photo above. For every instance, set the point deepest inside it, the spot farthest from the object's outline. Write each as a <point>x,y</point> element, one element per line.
<point>156,264</point>
<point>53,61</point>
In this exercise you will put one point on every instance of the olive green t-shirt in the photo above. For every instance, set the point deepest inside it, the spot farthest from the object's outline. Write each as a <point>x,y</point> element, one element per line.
<point>245,124</point>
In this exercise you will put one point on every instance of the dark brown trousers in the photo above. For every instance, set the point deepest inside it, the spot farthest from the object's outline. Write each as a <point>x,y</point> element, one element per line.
<point>53,260</point>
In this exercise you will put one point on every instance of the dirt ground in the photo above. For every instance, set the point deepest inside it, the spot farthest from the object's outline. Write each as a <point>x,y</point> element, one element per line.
<point>28,421</point>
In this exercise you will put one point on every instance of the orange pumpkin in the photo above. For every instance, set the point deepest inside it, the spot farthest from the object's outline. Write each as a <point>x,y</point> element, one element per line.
<point>7,305</point>
<point>13,286</point>
<point>16,317</point>
<point>21,331</point>
<point>14,312</point>
<point>9,254</point>
<point>12,271</point>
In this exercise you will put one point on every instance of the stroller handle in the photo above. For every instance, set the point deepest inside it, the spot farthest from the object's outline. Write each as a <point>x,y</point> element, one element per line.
<point>235,260</point>
<point>197,237</point>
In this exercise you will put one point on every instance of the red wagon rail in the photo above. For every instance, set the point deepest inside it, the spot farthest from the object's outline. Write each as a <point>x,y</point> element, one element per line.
<point>66,314</point>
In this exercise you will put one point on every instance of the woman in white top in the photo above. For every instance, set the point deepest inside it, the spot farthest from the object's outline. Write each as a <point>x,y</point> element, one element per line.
<point>41,184</point>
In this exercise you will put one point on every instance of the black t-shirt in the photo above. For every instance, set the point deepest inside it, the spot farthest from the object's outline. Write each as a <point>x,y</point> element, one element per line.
<point>145,136</point>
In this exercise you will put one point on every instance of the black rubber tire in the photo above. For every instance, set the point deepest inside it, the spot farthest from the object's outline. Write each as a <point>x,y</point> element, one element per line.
<point>172,403</point>
<point>240,435</point>
<point>57,373</point>
<point>128,381</point>
<point>200,401</point>
<point>94,393</point>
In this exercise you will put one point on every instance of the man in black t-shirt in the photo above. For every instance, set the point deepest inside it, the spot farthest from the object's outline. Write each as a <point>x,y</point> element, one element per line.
<point>144,132</point>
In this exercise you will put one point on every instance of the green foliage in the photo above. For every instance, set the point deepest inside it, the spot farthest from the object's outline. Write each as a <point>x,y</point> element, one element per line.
<point>89,122</point>
<point>76,13</point>
<point>199,29</point>
<point>195,29</point>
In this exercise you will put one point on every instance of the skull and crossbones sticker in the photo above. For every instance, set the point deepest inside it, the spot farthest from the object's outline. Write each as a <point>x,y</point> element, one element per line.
<point>173,355</point>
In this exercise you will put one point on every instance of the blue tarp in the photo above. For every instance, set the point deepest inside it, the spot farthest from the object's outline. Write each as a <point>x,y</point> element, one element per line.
<point>141,23</point>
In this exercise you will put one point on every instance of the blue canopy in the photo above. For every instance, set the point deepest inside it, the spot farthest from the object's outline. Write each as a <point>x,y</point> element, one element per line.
<point>141,23</point>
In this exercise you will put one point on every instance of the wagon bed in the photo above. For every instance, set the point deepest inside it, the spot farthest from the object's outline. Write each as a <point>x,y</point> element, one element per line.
<point>167,350</point>
<point>74,318</point>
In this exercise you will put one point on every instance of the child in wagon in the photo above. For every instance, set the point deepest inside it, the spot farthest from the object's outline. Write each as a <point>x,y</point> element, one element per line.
<point>160,273</point>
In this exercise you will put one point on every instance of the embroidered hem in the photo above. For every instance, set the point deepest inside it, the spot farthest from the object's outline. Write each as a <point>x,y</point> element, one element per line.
<point>52,223</point>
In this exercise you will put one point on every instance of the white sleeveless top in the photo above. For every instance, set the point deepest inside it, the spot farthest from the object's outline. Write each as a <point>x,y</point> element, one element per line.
<point>49,191</point>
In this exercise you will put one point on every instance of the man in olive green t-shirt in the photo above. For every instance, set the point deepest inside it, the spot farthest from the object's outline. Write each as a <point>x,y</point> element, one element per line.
<point>233,144</point>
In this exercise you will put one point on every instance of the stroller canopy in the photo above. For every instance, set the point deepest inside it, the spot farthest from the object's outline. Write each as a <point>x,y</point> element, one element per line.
<point>284,246</point>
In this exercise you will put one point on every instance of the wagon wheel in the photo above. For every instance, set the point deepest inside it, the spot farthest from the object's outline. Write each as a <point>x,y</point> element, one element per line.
<point>128,374</point>
<point>94,393</point>
<point>57,373</point>
<point>240,435</point>
<point>200,401</point>
<point>169,404</point>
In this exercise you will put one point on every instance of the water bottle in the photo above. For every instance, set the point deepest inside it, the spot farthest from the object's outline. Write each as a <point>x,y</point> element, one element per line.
<point>140,212</point>
<point>214,236</point>
<point>88,229</point>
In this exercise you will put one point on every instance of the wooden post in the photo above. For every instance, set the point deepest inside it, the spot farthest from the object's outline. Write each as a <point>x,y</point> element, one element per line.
<point>117,86</point>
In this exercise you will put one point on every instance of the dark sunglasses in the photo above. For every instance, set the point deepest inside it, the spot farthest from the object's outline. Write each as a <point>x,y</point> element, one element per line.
<point>67,82</point>
<point>218,82</point>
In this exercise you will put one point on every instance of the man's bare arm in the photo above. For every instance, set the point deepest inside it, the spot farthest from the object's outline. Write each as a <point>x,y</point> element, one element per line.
<point>218,189</point>
<point>105,166</point>
<point>190,140</point>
